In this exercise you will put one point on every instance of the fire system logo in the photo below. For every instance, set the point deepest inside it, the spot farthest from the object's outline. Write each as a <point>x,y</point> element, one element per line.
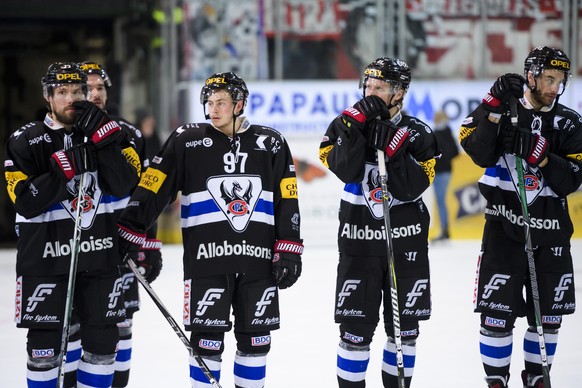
<point>265,301</point>
<point>39,295</point>
<point>208,299</point>
<point>493,285</point>
<point>563,286</point>
<point>417,291</point>
<point>349,286</point>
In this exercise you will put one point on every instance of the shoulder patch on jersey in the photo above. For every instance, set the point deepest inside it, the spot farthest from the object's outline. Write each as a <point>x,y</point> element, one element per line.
<point>152,179</point>
<point>288,188</point>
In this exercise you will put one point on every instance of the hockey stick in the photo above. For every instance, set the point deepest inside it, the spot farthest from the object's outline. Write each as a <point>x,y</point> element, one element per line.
<point>177,329</point>
<point>530,256</point>
<point>392,277</point>
<point>75,249</point>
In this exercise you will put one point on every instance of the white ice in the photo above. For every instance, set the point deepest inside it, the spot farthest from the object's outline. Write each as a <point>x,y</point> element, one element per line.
<point>304,349</point>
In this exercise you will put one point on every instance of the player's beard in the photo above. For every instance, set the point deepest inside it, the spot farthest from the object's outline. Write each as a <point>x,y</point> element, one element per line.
<point>64,116</point>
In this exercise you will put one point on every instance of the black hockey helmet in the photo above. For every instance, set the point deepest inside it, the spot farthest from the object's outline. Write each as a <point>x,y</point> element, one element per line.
<point>60,73</point>
<point>394,71</point>
<point>95,68</point>
<point>228,81</point>
<point>544,57</point>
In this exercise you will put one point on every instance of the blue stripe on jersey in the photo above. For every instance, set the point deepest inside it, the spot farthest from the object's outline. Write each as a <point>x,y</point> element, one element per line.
<point>265,207</point>
<point>198,208</point>
<point>107,198</point>
<point>497,352</point>
<point>354,366</point>
<point>250,372</point>
<point>354,188</point>
<point>390,358</point>
<point>498,172</point>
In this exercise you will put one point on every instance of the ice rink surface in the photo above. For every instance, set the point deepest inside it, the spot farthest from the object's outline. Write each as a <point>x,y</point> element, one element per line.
<point>304,349</point>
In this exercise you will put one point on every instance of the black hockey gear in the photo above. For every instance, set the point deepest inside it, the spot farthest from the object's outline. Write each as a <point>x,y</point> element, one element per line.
<point>149,259</point>
<point>229,81</point>
<point>287,262</point>
<point>393,71</point>
<point>506,86</point>
<point>387,137</point>
<point>74,161</point>
<point>129,243</point>
<point>63,73</point>
<point>524,144</point>
<point>96,124</point>
<point>372,107</point>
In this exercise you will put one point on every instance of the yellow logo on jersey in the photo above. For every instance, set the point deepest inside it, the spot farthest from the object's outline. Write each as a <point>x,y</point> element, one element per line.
<point>132,158</point>
<point>12,179</point>
<point>152,179</point>
<point>428,167</point>
<point>288,188</point>
<point>576,157</point>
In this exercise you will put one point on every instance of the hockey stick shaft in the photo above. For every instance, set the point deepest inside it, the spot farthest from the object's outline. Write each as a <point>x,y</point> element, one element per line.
<point>177,329</point>
<point>72,279</point>
<point>530,256</point>
<point>391,267</point>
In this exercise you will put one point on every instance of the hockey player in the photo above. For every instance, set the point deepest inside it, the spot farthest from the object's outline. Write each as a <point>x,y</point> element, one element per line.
<point>45,161</point>
<point>549,142</point>
<point>150,258</point>
<point>349,150</point>
<point>240,227</point>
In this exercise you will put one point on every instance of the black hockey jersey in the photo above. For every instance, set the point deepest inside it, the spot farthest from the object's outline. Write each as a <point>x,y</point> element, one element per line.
<point>46,206</point>
<point>346,153</point>
<point>546,187</point>
<point>236,199</point>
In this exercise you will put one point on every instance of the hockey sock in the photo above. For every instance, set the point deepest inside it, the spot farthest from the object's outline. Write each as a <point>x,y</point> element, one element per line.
<point>250,370</point>
<point>43,375</point>
<point>123,358</point>
<point>495,351</point>
<point>95,370</point>
<point>74,351</point>
<point>197,378</point>
<point>389,367</point>
<point>352,364</point>
<point>531,349</point>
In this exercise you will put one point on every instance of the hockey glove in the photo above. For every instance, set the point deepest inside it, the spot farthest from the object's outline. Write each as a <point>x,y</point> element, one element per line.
<point>129,243</point>
<point>149,260</point>
<point>528,146</point>
<point>286,264</point>
<point>96,124</point>
<point>507,85</point>
<point>387,137</point>
<point>74,161</point>
<point>366,109</point>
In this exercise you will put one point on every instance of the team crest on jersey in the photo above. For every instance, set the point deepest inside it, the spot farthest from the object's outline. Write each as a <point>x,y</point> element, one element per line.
<point>532,179</point>
<point>89,203</point>
<point>373,192</point>
<point>236,196</point>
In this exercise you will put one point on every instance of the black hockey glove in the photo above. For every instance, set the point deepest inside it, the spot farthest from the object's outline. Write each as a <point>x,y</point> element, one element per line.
<point>368,108</point>
<point>96,124</point>
<point>387,137</point>
<point>74,161</point>
<point>507,85</point>
<point>129,243</point>
<point>149,260</point>
<point>521,142</point>
<point>286,262</point>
